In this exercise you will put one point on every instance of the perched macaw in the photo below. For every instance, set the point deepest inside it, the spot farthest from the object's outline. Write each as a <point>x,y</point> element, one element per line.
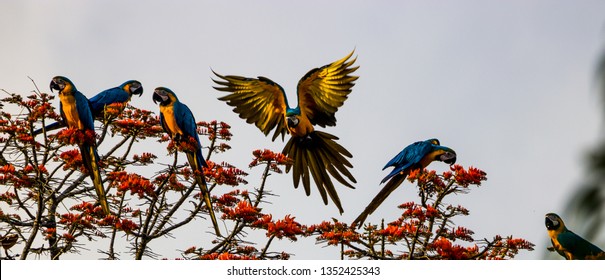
<point>320,93</point>
<point>75,112</point>
<point>568,244</point>
<point>120,94</point>
<point>417,155</point>
<point>178,121</point>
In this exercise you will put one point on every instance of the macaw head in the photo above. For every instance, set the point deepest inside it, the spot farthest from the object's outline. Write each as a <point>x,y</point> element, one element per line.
<point>553,222</point>
<point>62,84</point>
<point>434,141</point>
<point>443,153</point>
<point>164,96</point>
<point>292,116</point>
<point>133,87</point>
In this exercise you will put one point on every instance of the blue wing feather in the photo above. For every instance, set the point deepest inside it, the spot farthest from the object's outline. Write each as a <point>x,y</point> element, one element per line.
<point>408,158</point>
<point>186,122</point>
<point>577,245</point>
<point>106,97</point>
<point>84,112</point>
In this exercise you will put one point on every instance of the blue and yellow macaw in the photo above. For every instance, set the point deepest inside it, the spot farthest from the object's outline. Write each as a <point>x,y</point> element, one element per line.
<point>178,121</point>
<point>417,155</point>
<point>320,93</point>
<point>75,112</point>
<point>568,244</point>
<point>120,94</point>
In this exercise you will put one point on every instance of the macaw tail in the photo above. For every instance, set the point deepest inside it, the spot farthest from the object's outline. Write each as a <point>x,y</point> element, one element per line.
<point>201,181</point>
<point>319,155</point>
<point>90,158</point>
<point>49,127</point>
<point>380,197</point>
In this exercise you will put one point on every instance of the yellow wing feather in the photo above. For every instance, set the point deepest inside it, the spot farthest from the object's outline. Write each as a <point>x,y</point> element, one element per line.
<point>259,101</point>
<point>323,90</point>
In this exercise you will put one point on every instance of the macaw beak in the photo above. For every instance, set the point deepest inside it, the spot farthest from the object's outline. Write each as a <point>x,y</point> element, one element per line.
<point>158,98</point>
<point>54,86</point>
<point>138,91</point>
<point>292,121</point>
<point>551,223</point>
<point>448,157</point>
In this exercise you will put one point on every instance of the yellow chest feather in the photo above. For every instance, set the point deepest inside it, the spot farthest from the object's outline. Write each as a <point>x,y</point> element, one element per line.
<point>68,105</point>
<point>170,121</point>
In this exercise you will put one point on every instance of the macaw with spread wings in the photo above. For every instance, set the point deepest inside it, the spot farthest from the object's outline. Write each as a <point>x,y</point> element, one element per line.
<point>320,93</point>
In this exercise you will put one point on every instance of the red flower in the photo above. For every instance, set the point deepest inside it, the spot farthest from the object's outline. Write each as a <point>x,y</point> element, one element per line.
<point>72,159</point>
<point>74,136</point>
<point>137,185</point>
<point>224,174</point>
<point>268,156</point>
<point>126,225</point>
<point>244,211</point>
<point>284,228</point>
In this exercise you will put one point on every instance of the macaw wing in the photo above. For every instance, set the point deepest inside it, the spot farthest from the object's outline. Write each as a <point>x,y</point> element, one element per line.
<point>186,122</point>
<point>579,247</point>
<point>323,90</point>
<point>407,158</point>
<point>106,97</point>
<point>84,112</point>
<point>259,101</point>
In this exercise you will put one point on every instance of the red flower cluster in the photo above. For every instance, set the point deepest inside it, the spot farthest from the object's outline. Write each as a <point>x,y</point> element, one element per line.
<point>72,160</point>
<point>81,220</point>
<point>126,225</point>
<point>224,174</point>
<point>229,199</point>
<point>270,157</point>
<point>141,123</point>
<point>334,233</point>
<point>49,233</point>
<point>74,136</point>
<point>172,180</point>
<point>502,248</point>
<point>446,250</point>
<point>136,184</point>
<point>472,176</point>
<point>113,110</point>
<point>225,256</point>
<point>144,158</point>
<point>214,129</point>
<point>286,227</point>
<point>243,211</point>
<point>88,208</point>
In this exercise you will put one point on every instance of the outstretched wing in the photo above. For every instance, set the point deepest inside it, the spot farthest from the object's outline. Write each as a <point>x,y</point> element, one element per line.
<point>259,101</point>
<point>323,90</point>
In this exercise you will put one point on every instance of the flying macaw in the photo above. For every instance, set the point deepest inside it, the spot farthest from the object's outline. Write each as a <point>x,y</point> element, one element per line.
<point>76,113</point>
<point>320,93</point>
<point>178,121</point>
<point>568,244</point>
<point>119,94</point>
<point>417,155</point>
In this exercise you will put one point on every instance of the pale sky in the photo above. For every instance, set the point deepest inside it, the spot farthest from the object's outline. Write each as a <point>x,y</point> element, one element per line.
<point>509,85</point>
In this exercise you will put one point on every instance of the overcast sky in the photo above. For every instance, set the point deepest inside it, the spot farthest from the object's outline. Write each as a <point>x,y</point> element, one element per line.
<point>509,85</point>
